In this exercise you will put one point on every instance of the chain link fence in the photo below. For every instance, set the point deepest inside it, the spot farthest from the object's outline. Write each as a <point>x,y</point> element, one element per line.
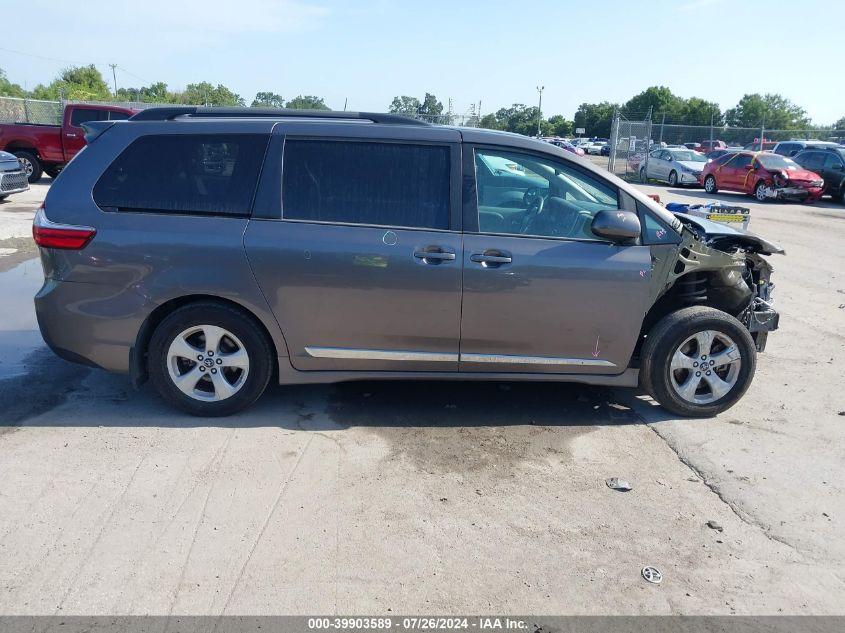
<point>39,112</point>
<point>633,137</point>
<point>629,144</point>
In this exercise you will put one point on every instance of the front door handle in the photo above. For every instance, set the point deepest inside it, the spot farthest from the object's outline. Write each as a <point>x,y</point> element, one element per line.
<point>491,258</point>
<point>434,255</point>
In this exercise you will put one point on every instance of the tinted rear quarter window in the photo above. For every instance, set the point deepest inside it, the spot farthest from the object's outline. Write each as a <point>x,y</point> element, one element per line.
<point>82,115</point>
<point>201,174</point>
<point>385,184</point>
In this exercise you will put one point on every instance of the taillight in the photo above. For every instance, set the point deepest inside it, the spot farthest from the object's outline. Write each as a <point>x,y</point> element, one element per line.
<point>62,236</point>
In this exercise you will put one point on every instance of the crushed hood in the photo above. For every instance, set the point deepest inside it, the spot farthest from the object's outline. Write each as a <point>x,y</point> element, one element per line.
<point>725,237</point>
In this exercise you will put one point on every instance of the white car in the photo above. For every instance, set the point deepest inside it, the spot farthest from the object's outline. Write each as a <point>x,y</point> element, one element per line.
<point>675,166</point>
<point>594,147</point>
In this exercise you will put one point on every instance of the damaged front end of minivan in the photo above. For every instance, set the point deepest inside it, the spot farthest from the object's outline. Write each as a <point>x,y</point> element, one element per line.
<point>718,266</point>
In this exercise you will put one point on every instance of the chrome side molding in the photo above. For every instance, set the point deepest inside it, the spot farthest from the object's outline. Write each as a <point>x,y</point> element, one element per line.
<point>435,357</point>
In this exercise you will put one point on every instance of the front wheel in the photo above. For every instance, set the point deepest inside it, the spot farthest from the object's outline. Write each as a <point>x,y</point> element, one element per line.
<point>760,192</point>
<point>31,165</point>
<point>698,361</point>
<point>673,178</point>
<point>209,359</point>
<point>710,184</point>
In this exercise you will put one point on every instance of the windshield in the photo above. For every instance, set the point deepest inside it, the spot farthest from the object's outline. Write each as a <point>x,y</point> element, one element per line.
<point>688,155</point>
<point>776,161</point>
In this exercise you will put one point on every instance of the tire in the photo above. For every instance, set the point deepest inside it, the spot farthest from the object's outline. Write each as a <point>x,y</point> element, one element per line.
<point>52,170</point>
<point>758,192</point>
<point>243,356</point>
<point>673,178</point>
<point>710,184</point>
<point>31,164</point>
<point>675,343</point>
<point>842,193</point>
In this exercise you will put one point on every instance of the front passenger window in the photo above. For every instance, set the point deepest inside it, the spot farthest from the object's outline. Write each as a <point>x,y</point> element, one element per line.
<point>524,194</point>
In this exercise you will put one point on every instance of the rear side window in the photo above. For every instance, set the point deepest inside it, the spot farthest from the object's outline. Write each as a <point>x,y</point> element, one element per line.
<point>810,160</point>
<point>114,115</point>
<point>82,115</point>
<point>203,174</point>
<point>386,184</point>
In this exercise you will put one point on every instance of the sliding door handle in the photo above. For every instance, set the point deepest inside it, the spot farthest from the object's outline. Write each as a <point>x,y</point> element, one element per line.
<point>434,255</point>
<point>491,258</point>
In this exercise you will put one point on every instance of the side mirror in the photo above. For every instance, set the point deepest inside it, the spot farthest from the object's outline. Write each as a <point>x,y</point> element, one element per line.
<point>616,226</point>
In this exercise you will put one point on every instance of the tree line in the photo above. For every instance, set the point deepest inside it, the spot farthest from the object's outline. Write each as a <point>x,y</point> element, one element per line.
<point>86,83</point>
<point>773,111</point>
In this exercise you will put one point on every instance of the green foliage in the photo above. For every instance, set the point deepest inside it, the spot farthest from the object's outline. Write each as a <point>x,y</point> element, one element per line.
<point>659,98</point>
<point>840,124</point>
<point>595,118</point>
<point>405,105</point>
<point>204,93</point>
<point>154,93</point>
<point>307,102</point>
<point>268,100</point>
<point>560,126</point>
<point>695,111</point>
<point>78,83</point>
<point>771,110</point>
<point>8,89</point>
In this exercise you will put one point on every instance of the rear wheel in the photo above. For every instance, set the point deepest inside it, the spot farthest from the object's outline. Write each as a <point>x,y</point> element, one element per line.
<point>698,362</point>
<point>209,359</point>
<point>31,165</point>
<point>673,178</point>
<point>710,184</point>
<point>52,170</point>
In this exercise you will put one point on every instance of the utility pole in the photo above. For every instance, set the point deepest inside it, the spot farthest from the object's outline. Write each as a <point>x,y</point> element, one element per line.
<point>540,109</point>
<point>114,77</point>
<point>712,114</point>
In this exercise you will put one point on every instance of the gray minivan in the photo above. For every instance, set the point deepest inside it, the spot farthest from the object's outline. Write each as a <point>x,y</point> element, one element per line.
<point>212,250</point>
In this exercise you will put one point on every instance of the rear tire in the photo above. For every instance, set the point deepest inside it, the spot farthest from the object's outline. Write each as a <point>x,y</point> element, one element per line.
<point>31,164</point>
<point>710,184</point>
<point>52,170</point>
<point>722,372</point>
<point>219,381</point>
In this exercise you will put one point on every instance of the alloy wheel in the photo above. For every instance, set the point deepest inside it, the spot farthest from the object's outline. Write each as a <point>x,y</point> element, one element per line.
<point>705,367</point>
<point>207,363</point>
<point>710,184</point>
<point>27,166</point>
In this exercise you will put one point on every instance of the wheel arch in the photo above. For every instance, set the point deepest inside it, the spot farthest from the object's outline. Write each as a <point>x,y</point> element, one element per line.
<point>138,353</point>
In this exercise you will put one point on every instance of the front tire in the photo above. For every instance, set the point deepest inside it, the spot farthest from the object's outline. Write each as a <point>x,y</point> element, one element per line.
<point>698,362</point>
<point>209,359</point>
<point>32,166</point>
<point>673,178</point>
<point>759,192</point>
<point>710,184</point>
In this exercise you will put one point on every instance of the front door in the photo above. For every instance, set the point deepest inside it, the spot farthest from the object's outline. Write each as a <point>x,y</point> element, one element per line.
<point>542,293</point>
<point>363,269</point>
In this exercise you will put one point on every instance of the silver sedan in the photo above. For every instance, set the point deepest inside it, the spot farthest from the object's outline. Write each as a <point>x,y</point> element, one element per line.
<point>675,166</point>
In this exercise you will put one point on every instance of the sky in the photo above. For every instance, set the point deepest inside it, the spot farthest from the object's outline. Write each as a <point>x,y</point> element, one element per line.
<point>490,51</point>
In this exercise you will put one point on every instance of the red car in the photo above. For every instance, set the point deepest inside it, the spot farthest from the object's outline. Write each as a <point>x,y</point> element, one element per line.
<point>764,175</point>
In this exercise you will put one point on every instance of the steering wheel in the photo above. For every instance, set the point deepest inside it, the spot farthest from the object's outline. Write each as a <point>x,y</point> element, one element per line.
<point>535,207</point>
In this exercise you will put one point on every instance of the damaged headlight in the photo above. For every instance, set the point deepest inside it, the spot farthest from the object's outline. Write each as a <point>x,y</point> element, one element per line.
<point>817,183</point>
<point>781,178</point>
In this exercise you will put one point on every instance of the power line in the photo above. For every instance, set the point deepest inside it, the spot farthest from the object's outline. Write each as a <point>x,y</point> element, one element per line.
<point>70,61</point>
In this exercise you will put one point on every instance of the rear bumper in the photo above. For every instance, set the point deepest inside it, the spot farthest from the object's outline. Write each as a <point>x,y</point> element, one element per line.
<point>91,324</point>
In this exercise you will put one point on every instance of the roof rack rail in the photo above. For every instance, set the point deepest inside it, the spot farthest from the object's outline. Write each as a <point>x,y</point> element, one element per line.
<point>168,113</point>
